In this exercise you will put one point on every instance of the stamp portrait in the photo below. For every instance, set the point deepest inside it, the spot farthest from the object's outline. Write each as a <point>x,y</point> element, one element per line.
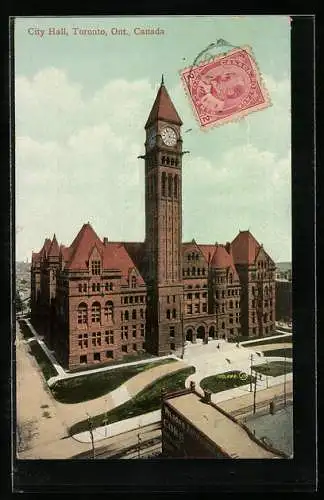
<point>226,88</point>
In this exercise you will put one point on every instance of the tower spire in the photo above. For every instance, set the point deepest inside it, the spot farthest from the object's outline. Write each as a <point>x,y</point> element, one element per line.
<point>162,80</point>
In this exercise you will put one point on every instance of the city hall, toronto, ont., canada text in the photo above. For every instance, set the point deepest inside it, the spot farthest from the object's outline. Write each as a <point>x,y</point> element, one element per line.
<point>97,301</point>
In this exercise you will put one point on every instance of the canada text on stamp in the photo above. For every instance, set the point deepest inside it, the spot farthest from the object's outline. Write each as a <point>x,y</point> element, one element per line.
<point>225,88</point>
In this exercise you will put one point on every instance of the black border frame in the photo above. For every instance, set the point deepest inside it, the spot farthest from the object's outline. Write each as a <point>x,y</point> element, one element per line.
<point>153,476</point>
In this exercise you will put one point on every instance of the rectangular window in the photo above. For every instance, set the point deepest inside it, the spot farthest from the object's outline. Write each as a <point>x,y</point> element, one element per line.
<point>96,356</point>
<point>124,348</point>
<point>98,287</point>
<point>197,308</point>
<point>136,299</point>
<point>168,299</point>
<point>172,332</point>
<point>174,298</point>
<point>83,359</point>
<point>134,347</point>
<point>189,309</point>
<point>204,307</point>
<point>172,347</point>
<point>134,331</point>
<point>142,330</point>
<point>130,299</point>
<point>95,267</point>
<point>141,298</point>
<point>126,300</point>
<point>85,287</point>
<point>196,295</point>
<point>110,354</point>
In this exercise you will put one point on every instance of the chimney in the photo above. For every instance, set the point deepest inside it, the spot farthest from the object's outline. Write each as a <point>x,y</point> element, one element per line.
<point>228,247</point>
<point>105,241</point>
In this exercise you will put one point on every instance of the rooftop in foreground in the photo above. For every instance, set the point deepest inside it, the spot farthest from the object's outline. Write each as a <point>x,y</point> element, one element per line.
<point>219,428</point>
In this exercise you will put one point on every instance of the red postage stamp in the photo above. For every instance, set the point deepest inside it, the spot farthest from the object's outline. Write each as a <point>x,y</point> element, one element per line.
<point>226,88</point>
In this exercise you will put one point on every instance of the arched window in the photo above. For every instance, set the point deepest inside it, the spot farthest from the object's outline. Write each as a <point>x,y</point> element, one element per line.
<point>109,311</point>
<point>82,313</point>
<point>80,287</point>
<point>126,315</point>
<point>174,313</point>
<point>172,162</point>
<point>168,160</point>
<point>189,256</point>
<point>175,186</point>
<point>170,186</point>
<point>133,282</point>
<point>163,160</point>
<point>168,314</point>
<point>223,325</point>
<point>193,271</point>
<point>266,291</point>
<point>203,271</point>
<point>231,304</point>
<point>163,184</point>
<point>134,314</point>
<point>96,312</point>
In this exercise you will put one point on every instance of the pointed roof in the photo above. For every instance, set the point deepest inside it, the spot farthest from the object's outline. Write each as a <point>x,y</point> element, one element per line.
<point>245,248</point>
<point>81,247</point>
<point>221,258</point>
<point>53,250</point>
<point>163,108</point>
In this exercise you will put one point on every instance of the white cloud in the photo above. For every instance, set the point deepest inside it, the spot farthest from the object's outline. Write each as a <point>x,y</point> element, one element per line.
<point>76,160</point>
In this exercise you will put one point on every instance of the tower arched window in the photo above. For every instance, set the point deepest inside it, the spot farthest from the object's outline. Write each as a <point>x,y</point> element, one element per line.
<point>231,304</point>
<point>82,313</point>
<point>126,315</point>
<point>163,184</point>
<point>168,314</point>
<point>174,313</point>
<point>168,160</point>
<point>96,312</point>
<point>163,160</point>
<point>193,270</point>
<point>170,186</point>
<point>134,314</point>
<point>175,185</point>
<point>109,311</point>
<point>172,162</point>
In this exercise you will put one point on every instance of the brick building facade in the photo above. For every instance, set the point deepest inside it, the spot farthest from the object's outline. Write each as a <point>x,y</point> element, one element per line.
<point>99,300</point>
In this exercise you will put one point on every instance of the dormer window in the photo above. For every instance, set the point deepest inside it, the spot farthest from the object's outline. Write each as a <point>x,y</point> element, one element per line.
<point>133,282</point>
<point>96,267</point>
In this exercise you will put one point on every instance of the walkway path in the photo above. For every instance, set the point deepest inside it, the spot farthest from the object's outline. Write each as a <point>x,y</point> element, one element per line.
<point>72,413</point>
<point>270,347</point>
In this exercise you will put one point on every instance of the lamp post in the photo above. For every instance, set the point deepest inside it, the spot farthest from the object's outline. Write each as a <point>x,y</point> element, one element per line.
<point>254,393</point>
<point>251,359</point>
<point>91,435</point>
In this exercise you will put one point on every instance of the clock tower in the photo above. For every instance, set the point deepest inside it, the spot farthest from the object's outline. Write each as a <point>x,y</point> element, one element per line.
<point>163,226</point>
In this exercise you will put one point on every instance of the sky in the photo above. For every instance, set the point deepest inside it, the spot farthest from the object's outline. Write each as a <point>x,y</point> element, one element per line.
<point>81,103</point>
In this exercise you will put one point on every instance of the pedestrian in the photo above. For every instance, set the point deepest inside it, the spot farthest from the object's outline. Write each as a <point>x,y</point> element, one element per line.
<point>260,376</point>
<point>217,346</point>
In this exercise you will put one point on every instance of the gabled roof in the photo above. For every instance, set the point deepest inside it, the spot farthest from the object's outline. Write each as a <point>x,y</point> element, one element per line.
<point>207,251</point>
<point>222,259</point>
<point>53,250</point>
<point>163,109</point>
<point>113,254</point>
<point>81,247</point>
<point>245,248</point>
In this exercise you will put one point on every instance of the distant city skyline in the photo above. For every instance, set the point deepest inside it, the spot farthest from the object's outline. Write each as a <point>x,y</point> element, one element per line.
<point>81,105</point>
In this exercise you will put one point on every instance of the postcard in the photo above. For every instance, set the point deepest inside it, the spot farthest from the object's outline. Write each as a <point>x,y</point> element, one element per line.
<point>153,237</point>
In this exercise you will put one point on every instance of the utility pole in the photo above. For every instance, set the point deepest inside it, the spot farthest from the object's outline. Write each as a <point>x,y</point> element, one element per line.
<point>254,394</point>
<point>251,359</point>
<point>139,442</point>
<point>285,394</point>
<point>91,435</point>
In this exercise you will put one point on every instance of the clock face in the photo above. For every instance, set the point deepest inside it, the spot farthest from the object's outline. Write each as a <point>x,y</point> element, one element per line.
<point>169,136</point>
<point>151,138</point>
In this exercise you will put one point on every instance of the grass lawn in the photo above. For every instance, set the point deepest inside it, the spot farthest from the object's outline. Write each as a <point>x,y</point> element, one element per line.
<point>280,352</point>
<point>274,368</point>
<point>42,360</point>
<point>278,340</point>
<point>149,399</point>
<point>224,381</point>
<point>140,356</point>
<point>25,330</point>
<point>87,387</point>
